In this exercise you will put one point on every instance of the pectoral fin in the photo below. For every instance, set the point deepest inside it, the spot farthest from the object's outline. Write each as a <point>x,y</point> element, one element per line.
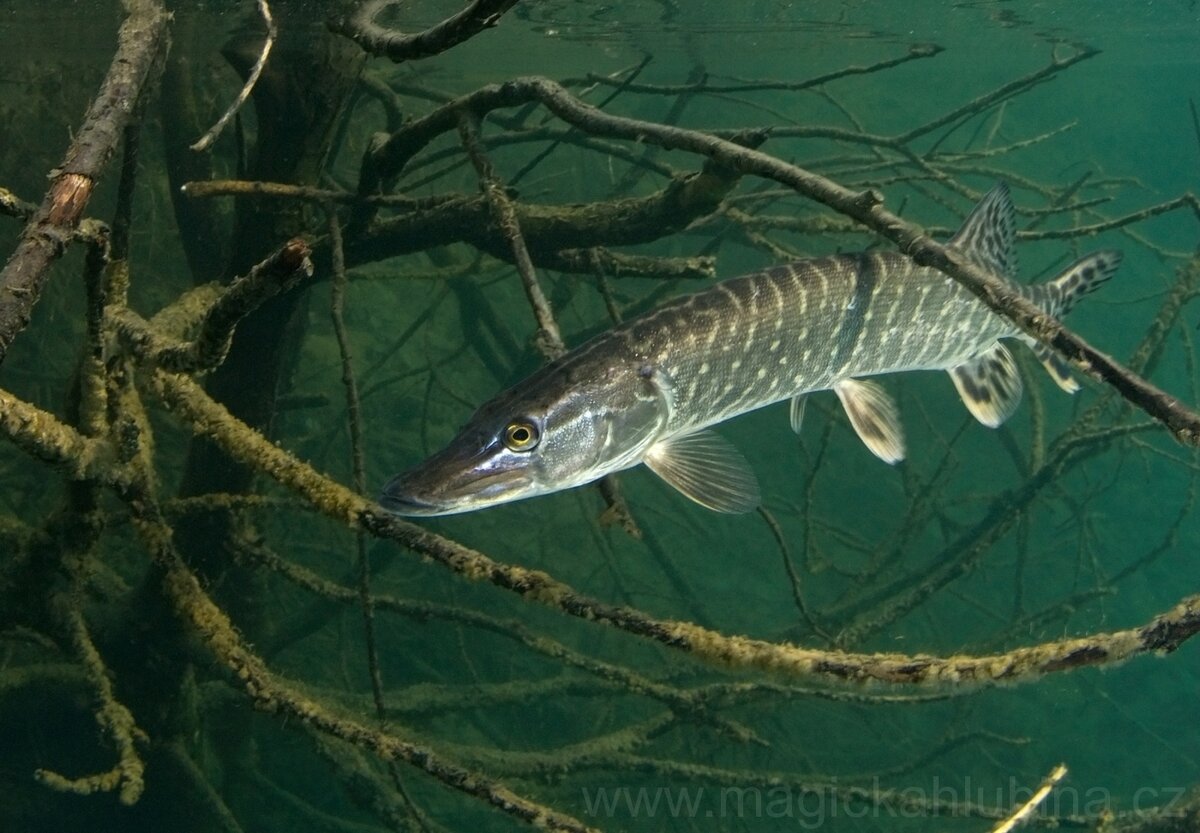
<point>707,469</point>
<point>874,416</point>
<point>989,385</point>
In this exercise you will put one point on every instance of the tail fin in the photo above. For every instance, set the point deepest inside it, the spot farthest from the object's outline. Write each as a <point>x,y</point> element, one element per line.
<point>1059,295</point>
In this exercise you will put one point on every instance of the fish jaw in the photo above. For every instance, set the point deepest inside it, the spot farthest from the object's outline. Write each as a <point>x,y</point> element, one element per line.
<point>459,479</point>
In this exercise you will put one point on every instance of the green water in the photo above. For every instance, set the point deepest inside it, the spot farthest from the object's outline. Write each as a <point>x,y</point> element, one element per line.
<point>972,546</point>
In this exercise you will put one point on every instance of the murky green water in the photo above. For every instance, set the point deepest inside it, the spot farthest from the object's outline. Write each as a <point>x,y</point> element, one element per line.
<point>1061,524</point>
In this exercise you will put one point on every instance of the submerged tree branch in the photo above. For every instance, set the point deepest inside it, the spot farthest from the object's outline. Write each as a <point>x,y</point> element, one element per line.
<point>205,142</point>
<point>107,440</point>
<point>505,217</point>
<point>126,777</point>
<point>143,35</point>
<point>1164,633</point>
<point>867,208</point>
<point>275,694</point>
<point>283,269</point>
<point>361,27</point>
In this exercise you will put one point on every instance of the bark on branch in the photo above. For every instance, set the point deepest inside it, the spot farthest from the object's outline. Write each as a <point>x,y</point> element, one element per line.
<point>567,238</point>
<point>380,40</point>
<point>49,230</point>
<point>549,229</point>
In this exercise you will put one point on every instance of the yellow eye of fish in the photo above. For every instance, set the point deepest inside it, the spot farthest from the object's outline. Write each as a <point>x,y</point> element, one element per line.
<point>521,435</point>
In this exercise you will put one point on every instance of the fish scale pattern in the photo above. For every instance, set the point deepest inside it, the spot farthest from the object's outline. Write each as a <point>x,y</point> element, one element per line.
<point>770,335</point>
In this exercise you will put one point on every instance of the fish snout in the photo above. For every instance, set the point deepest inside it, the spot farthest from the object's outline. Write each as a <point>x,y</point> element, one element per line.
<point>455,481</point>
<point>415,492</point>
<point>398,497</point>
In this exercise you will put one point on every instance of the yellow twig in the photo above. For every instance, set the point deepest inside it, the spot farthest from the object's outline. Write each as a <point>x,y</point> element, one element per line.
<point>1026,810</point>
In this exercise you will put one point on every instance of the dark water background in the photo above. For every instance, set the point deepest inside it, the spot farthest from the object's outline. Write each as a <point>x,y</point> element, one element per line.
<point>428,351</point>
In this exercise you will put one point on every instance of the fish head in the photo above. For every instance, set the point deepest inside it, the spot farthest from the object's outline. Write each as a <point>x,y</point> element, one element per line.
<point>562,427</point>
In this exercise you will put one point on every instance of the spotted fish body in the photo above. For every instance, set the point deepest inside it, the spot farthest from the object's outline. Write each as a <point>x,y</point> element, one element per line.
<point>646,391</point>
<point>794,329</point>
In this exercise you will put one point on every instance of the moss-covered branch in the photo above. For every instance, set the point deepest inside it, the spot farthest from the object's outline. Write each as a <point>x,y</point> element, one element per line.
<point>42,435</point>
<point>126,777</point>
<point>272,693</point>
<point>207,418</point>
<point>282,270</point>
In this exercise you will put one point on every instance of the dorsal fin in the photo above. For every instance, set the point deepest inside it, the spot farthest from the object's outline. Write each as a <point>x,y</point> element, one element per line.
<point>986,236</point>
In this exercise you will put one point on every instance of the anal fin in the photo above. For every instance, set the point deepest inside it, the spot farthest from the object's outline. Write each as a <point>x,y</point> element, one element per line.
<point>989,384</point>
<point>707,469</point>
<point>1055,364</point>
<point>874,416</point>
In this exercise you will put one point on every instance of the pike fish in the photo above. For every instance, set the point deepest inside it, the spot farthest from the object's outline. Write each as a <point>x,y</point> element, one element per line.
<point>649,390</point>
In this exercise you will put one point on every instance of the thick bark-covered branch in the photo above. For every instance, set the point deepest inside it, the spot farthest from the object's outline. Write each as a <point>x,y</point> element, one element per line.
<point>142,36</point>
<point>568,238</point>
<point>380,40</point>
<point>549,229</point>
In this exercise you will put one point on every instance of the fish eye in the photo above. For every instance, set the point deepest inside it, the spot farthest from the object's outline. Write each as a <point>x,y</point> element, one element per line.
<point>521,435</point>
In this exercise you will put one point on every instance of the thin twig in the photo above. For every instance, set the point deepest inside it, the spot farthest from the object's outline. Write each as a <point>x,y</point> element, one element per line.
<point>276,694</point>
<point>354,415</point>
<point>689,705</point>
<point>1027,809</point>
<point>1182,201</point>
<point>545,152</point>
<point>549,338</point>
<point>915,52</point>
<point>793,576</point>
<point>205,142</point>
<point>337,304</point>
<point>1195,120</point>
